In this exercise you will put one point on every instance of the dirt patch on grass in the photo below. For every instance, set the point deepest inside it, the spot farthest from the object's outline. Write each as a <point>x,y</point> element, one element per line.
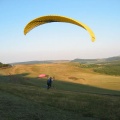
<point>73,78</point>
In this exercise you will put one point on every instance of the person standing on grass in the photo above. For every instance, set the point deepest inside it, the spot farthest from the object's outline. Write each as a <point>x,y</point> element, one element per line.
<point>49,82</point>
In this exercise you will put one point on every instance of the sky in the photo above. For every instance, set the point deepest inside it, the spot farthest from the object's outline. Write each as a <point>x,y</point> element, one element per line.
<point>59,41</point>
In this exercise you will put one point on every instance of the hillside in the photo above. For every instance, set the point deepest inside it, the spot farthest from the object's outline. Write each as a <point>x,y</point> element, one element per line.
<point>69,72</point>
<point>77,93</point>
<point>39,62</point>
<point>4,65</point>
<point>84,61</point>
<point>93,61</point>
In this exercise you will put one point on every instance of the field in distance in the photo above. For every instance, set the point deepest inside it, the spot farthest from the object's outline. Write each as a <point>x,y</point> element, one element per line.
<point>72,72</point>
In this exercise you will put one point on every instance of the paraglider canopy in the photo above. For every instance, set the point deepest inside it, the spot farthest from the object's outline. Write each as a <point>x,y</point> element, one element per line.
<point>56,18</point>
<point>42,75</point>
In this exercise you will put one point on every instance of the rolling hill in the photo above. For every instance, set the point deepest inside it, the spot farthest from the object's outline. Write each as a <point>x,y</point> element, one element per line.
<point>84,61</point>
<point>78,92</point>
<point>93,61</point>
<point>39,62</point>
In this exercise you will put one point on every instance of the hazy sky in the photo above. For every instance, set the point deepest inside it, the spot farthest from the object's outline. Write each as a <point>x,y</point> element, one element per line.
<point>55,41</point>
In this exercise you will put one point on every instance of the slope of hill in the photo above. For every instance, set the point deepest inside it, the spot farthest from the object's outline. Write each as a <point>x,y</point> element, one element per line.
<point>93,61</point>
<point>4,65</point>
<point>77,93</point>
<point>116,58</point>
<point>69,72</point>
<point>39,62</point>
<point>88,61</point>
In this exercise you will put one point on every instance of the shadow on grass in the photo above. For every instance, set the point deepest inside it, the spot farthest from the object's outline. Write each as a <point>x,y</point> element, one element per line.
<point>23,79</point>
<point>26,98</point>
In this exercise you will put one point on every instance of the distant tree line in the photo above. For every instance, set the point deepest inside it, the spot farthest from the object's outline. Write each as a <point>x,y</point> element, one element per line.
<point>4,65</point>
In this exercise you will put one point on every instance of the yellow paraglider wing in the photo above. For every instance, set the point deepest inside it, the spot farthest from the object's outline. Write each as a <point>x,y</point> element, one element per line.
<point>55,18</point>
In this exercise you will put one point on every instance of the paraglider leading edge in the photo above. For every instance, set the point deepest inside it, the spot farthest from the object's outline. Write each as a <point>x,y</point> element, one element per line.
<point>56,18</point>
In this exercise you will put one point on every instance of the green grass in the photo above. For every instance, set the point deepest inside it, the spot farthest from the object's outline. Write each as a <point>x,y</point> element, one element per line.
<point>110,68</point>
<point>26,98</point>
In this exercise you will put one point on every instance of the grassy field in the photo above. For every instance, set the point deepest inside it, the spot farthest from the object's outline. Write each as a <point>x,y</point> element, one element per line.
<point>77,93</point>
<point>109,68</point>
